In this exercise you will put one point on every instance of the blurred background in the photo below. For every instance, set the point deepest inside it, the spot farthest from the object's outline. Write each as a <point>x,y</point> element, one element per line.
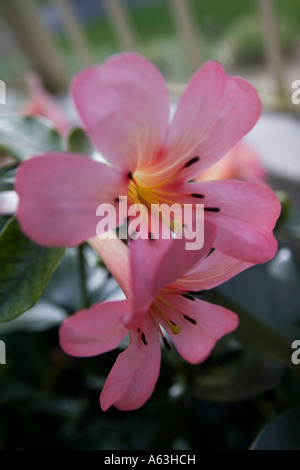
<point>50,401</point>
<point>57,38</point>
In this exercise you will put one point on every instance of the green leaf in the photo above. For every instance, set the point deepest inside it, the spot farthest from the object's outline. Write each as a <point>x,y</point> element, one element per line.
<point>237,376</point>
<point>78,142</point>
<point>8,171</point>
<point>3,221</point>
<point>41,317</point>
<point>257,335</point>
<point>283,433</point>
<point>7,175</point>
<point>267,298</point>
<point>25,270</point>
<point>6,186</point>
<point>22,137</point>
<point>6,152</point>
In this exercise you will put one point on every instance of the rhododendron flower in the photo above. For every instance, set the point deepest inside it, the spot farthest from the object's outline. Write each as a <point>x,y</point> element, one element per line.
<point>241,163</point>
<point>124,106</point>
<point>160,308</point>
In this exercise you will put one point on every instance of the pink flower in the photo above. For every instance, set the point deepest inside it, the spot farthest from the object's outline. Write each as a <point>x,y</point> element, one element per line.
<point>240,163</point>
<point>43,104</point>
<point>124,106</point>
<point>160,307</point>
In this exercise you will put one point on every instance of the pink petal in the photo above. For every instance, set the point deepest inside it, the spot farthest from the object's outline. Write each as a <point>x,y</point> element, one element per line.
<point>196,341</point>
<point>115,255</point>
<point>245,242</point>
<point>216,269</point>
<point>241,163</point>
<point>213,114</point>
<point>247,216</point>
<point>157,263</point>
<point>133,377</point>
<point>59,195</point>
<point>43,104</point>
<point>94,331</point>
<point>124,106</point>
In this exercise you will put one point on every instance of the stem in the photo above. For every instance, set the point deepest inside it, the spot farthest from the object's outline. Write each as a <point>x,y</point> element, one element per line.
<point>83,277</point>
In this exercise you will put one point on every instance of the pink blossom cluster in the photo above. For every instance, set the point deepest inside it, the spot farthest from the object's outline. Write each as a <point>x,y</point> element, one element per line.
<point>124,107</point>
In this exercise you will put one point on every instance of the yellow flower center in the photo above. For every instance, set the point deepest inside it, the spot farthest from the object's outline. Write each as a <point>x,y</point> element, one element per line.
<point>154,198</point>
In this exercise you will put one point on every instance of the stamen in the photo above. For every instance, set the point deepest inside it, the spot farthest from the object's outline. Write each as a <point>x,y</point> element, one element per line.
<point>181,313</point>
<point>187,296</point>
<point>173,327</point>
<point>191,320</point>
<point>196,292</point>
<point>168,347</point>
<point>132,193</point>
<point>212,209</point>
<point>144,339</point>
<point>151,237</point>
<point>191,161</point>
<point>130,175</point>
<point>116,199</point>
<point>199,196</point>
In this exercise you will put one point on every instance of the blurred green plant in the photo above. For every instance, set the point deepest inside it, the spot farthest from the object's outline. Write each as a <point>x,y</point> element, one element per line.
<point>243,38</point>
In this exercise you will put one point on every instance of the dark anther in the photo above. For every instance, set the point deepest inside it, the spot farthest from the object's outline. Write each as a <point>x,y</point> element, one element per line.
<point>199,196</point>
<point>138,330</point>
<point>191,161</point>
<point>173,323</point>
<point>212,209</point>
<point>130,175</point>
<point>191,320</point>
<point>116,199</point>
<point>168,347</point>
<point>151,237</point>
<point>196,292</point>
<point>144,339</point>
<point>187,296</point>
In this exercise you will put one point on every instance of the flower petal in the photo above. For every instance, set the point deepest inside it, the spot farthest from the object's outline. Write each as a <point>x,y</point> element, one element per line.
<point>43,104</point>
<point>213,114</point>
<point>59,195</point>
<point>94,331</point>
<point>124,106</point>
<point>157,263</point>
<point>196,341</point>
<point>241,163</point>
<point>115,255</point>
<point>135,372</point>
<point>216,269</point>
<point>244,214</point>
